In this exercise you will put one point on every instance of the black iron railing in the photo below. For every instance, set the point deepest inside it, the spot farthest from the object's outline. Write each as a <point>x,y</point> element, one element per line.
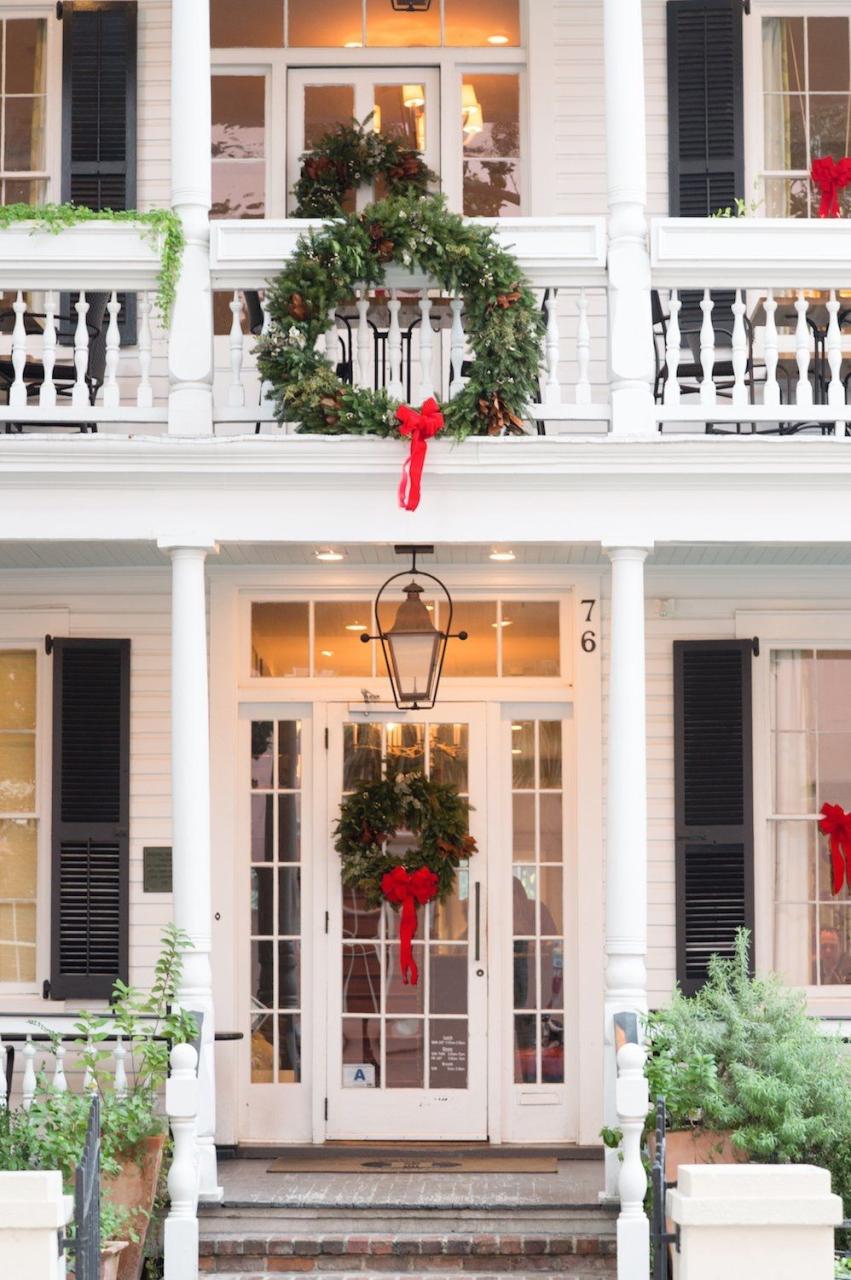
<point>85,1242</point>
<point>660,1236</point>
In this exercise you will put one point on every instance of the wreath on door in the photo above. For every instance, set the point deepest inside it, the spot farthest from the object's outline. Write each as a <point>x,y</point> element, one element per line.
<point>438,820</point>
<point>351,156</point>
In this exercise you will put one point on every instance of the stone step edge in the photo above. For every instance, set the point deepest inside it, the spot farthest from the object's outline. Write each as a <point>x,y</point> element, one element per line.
<point>455,1245</point>
<point>359,1275</point>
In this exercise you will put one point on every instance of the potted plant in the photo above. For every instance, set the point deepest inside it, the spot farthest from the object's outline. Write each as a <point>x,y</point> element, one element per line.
<point>747,1074</point>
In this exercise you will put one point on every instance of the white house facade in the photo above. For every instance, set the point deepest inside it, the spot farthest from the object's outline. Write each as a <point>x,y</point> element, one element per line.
<point>655,699</point>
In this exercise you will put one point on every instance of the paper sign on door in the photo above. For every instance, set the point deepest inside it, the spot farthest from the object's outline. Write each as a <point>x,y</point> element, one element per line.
<point>358,1075</point>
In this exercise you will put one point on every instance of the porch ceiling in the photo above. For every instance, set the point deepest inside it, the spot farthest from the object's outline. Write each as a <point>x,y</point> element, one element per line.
<point>144,555</point>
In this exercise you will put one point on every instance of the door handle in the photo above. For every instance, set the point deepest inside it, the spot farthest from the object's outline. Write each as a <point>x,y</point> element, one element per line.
<point>477,920</point>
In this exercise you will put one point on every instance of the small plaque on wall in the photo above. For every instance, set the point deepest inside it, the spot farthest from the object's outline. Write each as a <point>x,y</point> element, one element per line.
<point>156,869</point>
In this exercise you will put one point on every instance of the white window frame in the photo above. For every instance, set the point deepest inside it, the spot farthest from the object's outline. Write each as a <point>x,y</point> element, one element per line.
<point>52,174</point>
<point>451,64</point>
<point>780,630</point>
<point>754,116</point>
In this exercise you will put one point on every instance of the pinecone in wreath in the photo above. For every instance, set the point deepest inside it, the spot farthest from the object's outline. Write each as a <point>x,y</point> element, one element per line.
<point>500,419</point>
<point>297,307</point>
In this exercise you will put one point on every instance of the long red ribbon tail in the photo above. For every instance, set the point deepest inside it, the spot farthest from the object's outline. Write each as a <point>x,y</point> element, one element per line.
<point>837,863</point>
<point>412,471</point>
<point>407,929</point>
<point>847,845</point>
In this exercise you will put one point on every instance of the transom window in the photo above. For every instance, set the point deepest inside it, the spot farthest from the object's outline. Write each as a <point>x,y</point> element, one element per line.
<point>507,638</point>
<point>18,819</point>
<point>811,755</point>
<point>806,70</point>
<point>354,24</point>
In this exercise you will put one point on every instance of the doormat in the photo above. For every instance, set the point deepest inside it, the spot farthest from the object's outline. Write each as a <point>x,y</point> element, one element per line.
<point>415,1162</point>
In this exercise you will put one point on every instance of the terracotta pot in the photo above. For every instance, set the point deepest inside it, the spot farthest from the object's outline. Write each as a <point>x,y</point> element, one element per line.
<point>699,1146</point>
<point>135,1187</point>
<point>110,1258</point>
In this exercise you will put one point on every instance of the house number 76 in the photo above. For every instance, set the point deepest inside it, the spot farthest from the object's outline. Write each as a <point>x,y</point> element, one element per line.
<point>589,637</point>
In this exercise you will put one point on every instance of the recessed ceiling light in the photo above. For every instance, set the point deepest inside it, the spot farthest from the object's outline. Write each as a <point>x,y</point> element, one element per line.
<point>517,751</point>
<point>502,555</point>
<point>327,653</point>
<point>353,44</point>
<point>355,626</point>
<point>506,622</point>
<point>497,39</point>
<point>517,728</point>
<point>328,553</point>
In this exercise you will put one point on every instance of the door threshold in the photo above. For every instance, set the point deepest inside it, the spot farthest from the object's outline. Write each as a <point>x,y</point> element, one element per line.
<point>267,1151</point>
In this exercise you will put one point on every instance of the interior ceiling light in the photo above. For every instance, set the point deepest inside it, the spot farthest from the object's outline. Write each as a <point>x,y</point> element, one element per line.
<point>497,39</point>
<point>327,653</point>
<point>506,622</point>
<point>355,626</point>
<point>502,555</point>
<point>353,44</point>
<point>328,553</point>
<point>413,95</point>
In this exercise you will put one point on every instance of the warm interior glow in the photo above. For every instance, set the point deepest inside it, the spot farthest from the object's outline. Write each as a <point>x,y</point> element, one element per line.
<point>468,96</point>
<point>497,39</point>
<point>413,95</point>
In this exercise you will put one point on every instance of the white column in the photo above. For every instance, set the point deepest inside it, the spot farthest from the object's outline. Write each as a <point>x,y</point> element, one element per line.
<point>190,406</point>
<point>630,332</point>
<point>626,816</point>
<point>190,802</point>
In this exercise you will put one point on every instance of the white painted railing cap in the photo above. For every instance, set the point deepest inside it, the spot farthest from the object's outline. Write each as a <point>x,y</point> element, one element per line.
<point>31,1201</point>
<point>734,1195</point>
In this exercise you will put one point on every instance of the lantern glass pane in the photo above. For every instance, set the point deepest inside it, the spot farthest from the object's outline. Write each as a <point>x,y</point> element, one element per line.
<point>414,658</point>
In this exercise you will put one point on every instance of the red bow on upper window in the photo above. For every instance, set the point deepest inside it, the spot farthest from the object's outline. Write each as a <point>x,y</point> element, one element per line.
<point>836,824</point>
<point>830,176</point>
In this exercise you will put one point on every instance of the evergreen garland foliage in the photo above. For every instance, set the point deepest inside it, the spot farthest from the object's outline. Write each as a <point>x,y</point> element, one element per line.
<point>503,322</point>
<point>433,812</point>
<point>351,156</point>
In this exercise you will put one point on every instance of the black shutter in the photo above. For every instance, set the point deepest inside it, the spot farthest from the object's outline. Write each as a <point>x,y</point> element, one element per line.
<point>705,113</point>
<point>91,802</point>
<point>99,114</point>
<point>713,772</point>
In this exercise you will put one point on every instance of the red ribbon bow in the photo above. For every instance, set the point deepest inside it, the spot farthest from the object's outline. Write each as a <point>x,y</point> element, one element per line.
<point>830,177</point>
<point>409,888</point>
<point>836,824</point>
<point>420,424</point>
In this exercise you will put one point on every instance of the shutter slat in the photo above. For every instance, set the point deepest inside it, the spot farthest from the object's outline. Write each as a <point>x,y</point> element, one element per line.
<point>705,106</point>
<point>91,747</point>
<point>714,801</point>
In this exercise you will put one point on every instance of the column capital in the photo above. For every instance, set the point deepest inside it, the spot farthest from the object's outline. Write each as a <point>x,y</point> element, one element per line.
<point>638,549</point>
<point>188,542</point>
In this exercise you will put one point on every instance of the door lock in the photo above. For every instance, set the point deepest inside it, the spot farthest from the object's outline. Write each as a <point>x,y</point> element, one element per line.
<point>480,973</point>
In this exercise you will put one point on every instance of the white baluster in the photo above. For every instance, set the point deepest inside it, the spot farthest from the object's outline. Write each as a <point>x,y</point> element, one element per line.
<point>672,350</point>
<point>2,1075</point>
<point>707,350</point>
<point>364,348</point>
<point>835,390</point>
<point>59,1084</point>
<point>111,395</point>
<point>395,386</point>
<point>552,389</point>
<point>145,392</point>
<point>456,347</point>
<point>332,349</point>
<point>28,1082</point>
<point>119,1054</point>
<point>804,390</point>
<point>80,394</point>
<point>426,345</point>
<point>740,351</point>
<point>771,393</point>
<point>266,394</point>
<point>236,391</point>
<point>18,389</point>
<point>180,1240</point>
<point>47,390</point>
<point>583,351</point>
<point>633,1229</point>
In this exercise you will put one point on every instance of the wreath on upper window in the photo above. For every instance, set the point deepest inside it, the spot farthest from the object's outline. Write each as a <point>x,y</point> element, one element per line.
<point>350,156</point>
<point>438,820</point>
<point>502,321</point>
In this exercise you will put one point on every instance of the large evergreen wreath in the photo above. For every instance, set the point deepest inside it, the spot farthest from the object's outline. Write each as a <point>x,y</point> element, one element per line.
<point>503,322</point>
<point>435,814</point>
<point>350,156</point>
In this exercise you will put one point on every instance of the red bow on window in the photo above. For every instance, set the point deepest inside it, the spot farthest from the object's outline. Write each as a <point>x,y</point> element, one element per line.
<point>830,177</point>
<point>409,888</point>
<point>836,824</point>
<point>420,424</point>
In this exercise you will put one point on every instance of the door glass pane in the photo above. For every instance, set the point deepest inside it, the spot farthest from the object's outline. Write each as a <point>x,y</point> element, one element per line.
<point>448,1050</point>
<point>331,24</point>
<point>401,28</point>
<point>827,53</point>
<point>490,124</point>
<point>234,24</point>
<point>361,755</point>
<point>238,146</point>
<point>482,22</point>
<point>275,906</point>
<point>404,1044</point>
<point>448,754</point>
<point>23,100</point>
<point>538,903</point>
<point>400,113</point>
<point>326,106</point>
<point>18,872</point>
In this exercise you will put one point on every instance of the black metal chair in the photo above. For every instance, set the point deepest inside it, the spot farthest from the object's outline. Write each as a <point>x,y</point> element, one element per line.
<point>64,372</point>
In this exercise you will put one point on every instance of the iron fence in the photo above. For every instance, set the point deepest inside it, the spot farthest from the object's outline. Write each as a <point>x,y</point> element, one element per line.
<point>660,1236</point>
<point>85,1242</point>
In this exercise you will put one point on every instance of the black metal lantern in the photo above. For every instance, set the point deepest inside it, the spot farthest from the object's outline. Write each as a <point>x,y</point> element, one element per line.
<point>413,647</point>
<point>411,6</point>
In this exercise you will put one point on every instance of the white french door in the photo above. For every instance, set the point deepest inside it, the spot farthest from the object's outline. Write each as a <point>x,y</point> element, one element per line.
<point>403,1061</point>
<point>403,101</point>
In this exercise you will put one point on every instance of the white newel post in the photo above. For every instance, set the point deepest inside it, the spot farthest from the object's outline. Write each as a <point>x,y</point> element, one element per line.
<point>190,774</point>
<point>630,331</point>
<point>180,1234</point>
<point>626,818</point>
<point>633,1225</point>
<point>33,1214</point>
<point>190,404</point>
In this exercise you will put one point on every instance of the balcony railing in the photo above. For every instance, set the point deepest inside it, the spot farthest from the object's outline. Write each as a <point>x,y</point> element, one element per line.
<point>63,360</point>
<point>409,337</point>
<point>752,325</point>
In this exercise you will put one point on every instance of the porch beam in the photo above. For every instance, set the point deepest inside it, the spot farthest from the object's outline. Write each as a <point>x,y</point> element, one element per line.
<point>626,816</point>
<point>630,329</point>
<point>190,352</point>
<point>190,800</point>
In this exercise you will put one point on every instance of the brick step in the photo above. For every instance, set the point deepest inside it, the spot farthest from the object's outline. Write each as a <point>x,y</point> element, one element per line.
<point>566,1254</point>
<point>257,1217</point>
